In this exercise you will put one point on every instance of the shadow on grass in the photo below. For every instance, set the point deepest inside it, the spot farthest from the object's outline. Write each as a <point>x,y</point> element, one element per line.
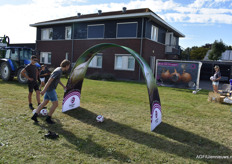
<point>201,92</point>
<point>185,144</point>
<point>84,145</point>
<point>13,82</point>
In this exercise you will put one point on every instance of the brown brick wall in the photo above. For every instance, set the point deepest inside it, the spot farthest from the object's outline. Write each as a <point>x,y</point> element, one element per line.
<point>59,48</point>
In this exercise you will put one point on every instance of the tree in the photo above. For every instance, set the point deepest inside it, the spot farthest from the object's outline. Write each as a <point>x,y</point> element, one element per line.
<point>185,54</point>
<point>217,49</point>
<point>198,53</point>
<point>228,47</point>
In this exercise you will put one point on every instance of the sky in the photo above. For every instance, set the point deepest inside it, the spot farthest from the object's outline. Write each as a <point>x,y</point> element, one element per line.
<point>201,21</point>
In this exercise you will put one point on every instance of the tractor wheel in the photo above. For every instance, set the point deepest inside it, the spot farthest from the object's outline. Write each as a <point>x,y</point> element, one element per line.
<point>20,77</point>
<point>6,72</point>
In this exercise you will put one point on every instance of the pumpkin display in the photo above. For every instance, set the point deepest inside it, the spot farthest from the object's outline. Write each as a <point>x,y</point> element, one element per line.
<point>186,77</point>
<point>175,76</point>
<point>165,75</point>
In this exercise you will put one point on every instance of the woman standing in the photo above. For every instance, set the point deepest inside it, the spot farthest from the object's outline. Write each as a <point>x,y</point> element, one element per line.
<point>216,78</point>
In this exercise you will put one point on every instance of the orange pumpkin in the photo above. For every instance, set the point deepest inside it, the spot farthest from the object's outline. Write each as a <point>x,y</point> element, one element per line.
<point>165,75</point>
<point>175,76</point>
<point>186,77</point>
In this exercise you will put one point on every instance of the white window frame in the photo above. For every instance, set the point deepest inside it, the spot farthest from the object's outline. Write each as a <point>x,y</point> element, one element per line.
<point>45,55</point>
<point>124,62</point>
<point>46,34</point>
<point>154,33</point>
<point>66,33</point>
<point>127,23</point>
<point>96,25</point>
<point>94,61</point>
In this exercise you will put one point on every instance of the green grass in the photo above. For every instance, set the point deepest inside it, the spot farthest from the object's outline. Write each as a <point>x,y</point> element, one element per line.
<point>191,126</point>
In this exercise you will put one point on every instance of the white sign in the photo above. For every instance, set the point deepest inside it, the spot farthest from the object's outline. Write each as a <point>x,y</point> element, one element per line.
<point>71,101</point>
<point>156,116</point>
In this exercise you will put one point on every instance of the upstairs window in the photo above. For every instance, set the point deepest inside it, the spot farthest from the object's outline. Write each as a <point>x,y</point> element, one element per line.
<point>46,34</point>
<point>68,32</point>
<point>127,30</point>
<point>154,33</point>
<point>124,62</point>
<point>96,62</point>
<point>45,57</point>
<point>96,31</point>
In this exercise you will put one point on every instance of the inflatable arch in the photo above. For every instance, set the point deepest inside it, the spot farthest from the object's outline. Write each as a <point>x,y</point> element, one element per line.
<point>72,95</point>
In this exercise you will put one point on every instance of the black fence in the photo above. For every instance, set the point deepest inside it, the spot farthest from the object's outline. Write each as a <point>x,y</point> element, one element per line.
<point>207,70</point>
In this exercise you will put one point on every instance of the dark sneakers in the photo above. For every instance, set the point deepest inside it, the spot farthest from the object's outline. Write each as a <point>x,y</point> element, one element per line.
<point>49,120</point>
<point>51,135</point>
<point>34,117</point>
<point>31,107</point>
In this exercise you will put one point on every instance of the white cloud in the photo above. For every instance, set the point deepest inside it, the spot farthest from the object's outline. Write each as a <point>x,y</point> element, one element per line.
<point>15,19</point>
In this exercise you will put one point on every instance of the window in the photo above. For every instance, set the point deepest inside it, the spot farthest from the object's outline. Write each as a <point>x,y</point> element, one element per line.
<point>14,55</point>
<point>154,33</point>
<point>127,30</point>
<point>174,41</point>
<point>68,32</point>
<point>96,31</point>
<point>124,62</point>
<point>96,62</point>
<point>7,54</point>
<point>25,54</point>
<point>46,34</point>
<point>45,57</point>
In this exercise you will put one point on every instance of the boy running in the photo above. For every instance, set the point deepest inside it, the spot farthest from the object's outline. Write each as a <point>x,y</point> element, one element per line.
<point>50,91</point>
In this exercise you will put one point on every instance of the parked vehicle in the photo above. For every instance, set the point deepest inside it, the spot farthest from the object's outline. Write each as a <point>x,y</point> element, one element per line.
<point>13,60</point>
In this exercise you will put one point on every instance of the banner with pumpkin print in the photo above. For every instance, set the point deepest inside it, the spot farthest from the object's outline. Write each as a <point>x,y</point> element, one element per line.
<point>177,73</point>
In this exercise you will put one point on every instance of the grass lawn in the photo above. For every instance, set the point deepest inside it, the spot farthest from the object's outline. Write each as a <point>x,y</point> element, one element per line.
<point>193,130</point>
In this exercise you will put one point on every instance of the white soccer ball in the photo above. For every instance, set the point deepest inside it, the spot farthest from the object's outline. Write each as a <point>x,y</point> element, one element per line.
<point>44,112</point>
<point>100,118</point>
<point>194,92</point>
<point>33,112</point>
<point>211,78</point>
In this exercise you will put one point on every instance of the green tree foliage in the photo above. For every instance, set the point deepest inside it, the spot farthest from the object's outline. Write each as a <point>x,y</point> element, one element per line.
<point>217,49</point>
<point>198,53</point>
<point>228,47</point>
<point>185,54</point>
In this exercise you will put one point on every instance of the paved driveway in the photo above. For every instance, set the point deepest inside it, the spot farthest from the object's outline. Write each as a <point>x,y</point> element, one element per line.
<point>207,84</point>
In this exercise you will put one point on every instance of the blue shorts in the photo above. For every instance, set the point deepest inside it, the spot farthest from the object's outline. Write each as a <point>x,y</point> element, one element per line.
<point>215,83</point>
<point>51,95</point>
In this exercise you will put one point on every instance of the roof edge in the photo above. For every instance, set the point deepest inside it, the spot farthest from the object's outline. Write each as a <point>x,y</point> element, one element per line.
<point>148,14</point>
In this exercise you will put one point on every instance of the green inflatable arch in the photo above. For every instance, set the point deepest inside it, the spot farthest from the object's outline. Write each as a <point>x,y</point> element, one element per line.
<point>72,95</point>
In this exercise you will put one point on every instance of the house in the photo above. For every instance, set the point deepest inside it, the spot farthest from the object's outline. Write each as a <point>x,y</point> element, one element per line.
<point>139,29</point>
<point>227,55</point>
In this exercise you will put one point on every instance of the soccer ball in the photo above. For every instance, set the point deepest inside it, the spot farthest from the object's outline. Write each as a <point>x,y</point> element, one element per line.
<point>100,118</point>
<point>33,112</point>
<point>194,92</point>
<point>211,78</point>
<point>44,112</point>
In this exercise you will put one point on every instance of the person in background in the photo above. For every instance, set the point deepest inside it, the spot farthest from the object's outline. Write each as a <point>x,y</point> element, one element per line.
<point>43,75</point>
<point>48,73</point>
<point>215,79</point>
<point>50,91</point>
<point>30,72</point>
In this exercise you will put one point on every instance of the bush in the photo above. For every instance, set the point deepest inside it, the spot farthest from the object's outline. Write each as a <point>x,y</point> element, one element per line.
<point>100,76</point>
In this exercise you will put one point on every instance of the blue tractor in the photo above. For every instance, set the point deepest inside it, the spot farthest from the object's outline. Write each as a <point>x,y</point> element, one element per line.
<point>13,60</point>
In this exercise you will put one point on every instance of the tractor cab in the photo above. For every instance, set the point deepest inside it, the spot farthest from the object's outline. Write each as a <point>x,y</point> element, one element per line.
<point>19,56</point>
<point>13,60</point>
